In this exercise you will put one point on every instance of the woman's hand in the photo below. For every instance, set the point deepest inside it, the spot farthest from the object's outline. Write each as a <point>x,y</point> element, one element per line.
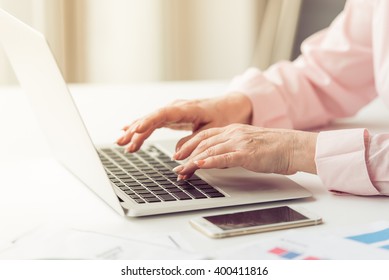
<point>256,149</point>
<point>195,115</point>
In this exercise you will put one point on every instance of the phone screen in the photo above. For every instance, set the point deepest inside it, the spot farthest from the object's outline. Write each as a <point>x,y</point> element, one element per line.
<point>254,218</point>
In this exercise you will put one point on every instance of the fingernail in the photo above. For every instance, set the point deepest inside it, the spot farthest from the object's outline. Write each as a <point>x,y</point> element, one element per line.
<point>177,156</point>
<point>130,148</point>
<point>179,178</point>
<point>178,169</point>
<point>199,163</point>
<point>119,139</point>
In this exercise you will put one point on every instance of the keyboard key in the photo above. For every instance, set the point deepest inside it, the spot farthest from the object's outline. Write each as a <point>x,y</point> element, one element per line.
<point>172,164</point>
<point>165,171</point>
<point>144,191</point>
<point>184,185</point>
<point>181,183</point>
<point>139,200</point>
<point>152,199</point>
<point>130,181</point>
<point>174,190</point>
<point>144,180</point>
<point>146,195</point>
<point>159,192</point>
<point>181,195</point>
<point>151,173</point>
<point>215,194</point>
<point>195,193</point>
<point>205,187</point>
<point>161,179</point>
<point>166,197</point>
<point>137,188</point>
<point>154,189</point>
<point>167,184</point>
<point>150,184</point>
<point>124,177</point>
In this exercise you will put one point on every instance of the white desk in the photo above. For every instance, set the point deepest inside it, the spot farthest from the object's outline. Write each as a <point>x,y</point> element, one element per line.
<point>28,198</point>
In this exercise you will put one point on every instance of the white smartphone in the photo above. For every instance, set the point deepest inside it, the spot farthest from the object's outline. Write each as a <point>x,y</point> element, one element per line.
<point>260,220</point>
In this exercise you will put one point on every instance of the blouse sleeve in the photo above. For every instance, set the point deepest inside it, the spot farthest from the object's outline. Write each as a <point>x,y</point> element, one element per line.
<point>353,161</point>
<point>332,78</point>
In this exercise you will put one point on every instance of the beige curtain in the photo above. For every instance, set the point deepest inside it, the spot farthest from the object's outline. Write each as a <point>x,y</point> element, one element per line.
<point>119,41</point>
<point>277,32</point>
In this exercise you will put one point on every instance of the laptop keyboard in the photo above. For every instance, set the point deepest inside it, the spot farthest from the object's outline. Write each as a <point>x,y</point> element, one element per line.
<point>147,177</point>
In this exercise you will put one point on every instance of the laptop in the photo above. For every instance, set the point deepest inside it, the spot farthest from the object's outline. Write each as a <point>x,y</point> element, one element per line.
<point>133,185</point>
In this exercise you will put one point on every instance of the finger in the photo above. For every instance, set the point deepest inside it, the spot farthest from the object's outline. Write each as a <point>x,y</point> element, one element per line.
<point>188,147</point>
<point>151,122</point>
<point>180,126</point>
<point>127,136</point>
<point>168,115</point>
<point>128,131</point>
<point>137,141</point>
<point>132,125</point>
<point>185,171</point>
<point>227,160</point>
<point>191,166</point>
<point>181,142</point>
<point>126,127</point>
<point>210,147</point>
<point>184,177</point>
<point>163,117</point>
<point>185,139</point>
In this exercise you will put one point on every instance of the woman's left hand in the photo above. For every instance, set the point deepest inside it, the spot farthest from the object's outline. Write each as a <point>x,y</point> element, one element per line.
<point>257,149</point>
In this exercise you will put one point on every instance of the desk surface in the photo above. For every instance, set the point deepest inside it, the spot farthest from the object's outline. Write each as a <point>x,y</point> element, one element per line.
<point>29,198</point>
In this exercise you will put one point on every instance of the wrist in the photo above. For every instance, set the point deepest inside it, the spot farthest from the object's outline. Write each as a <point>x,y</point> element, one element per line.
<point>304,151</point>
<point>239,108</point>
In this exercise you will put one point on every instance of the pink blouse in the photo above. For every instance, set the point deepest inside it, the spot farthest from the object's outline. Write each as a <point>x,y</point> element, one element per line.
<point>341,69</point>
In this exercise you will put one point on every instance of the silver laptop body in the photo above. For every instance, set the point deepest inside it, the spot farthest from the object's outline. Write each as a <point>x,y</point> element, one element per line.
<point>41,79</point>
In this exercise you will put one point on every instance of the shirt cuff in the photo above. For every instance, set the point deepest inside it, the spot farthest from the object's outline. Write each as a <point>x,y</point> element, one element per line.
<point>341,162</point>
<point>269,108</point>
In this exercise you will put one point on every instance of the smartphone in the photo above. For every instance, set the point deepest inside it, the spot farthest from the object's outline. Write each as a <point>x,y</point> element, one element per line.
<point>260,220</point>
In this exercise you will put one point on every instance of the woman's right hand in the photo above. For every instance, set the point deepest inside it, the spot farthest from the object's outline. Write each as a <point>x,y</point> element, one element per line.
<point>194,115</point>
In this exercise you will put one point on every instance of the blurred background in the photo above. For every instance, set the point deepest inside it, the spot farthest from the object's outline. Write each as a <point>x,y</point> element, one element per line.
<point>121,41</point>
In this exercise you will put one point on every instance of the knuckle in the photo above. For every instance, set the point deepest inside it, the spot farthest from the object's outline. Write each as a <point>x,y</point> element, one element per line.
<point>210,151</point>
<point>227,158</point>
<point>203,144</point>
<point>203,134</point>
<point>234,128</point>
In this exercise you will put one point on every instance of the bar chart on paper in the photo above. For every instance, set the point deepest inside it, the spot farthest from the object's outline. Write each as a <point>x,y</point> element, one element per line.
<point>368,241</point>
<point>291,254</point>
<point>377,238</point>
